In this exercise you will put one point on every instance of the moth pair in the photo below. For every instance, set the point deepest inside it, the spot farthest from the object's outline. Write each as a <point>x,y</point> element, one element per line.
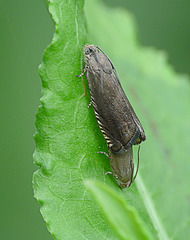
<point>115,115</point>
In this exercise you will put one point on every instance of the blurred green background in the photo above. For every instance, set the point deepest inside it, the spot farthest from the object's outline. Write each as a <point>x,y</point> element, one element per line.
<point>26,29</point>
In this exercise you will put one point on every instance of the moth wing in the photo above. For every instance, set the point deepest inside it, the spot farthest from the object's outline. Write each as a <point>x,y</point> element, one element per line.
<point>113,110</point>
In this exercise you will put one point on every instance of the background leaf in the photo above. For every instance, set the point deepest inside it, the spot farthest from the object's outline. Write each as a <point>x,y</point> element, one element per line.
<point>124,218</point>
<point>161,99</point>
<point>68,137</point>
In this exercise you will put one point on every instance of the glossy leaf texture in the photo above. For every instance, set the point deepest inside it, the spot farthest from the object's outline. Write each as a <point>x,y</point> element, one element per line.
<point>68,137</point>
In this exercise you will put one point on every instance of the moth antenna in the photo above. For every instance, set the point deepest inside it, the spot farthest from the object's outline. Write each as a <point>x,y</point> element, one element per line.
<point>109,61</point>
<point>137,164</point>
<point>131,180</point>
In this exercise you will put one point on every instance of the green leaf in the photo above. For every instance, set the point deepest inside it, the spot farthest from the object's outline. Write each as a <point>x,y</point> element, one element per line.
<point>161,99</point>
<point>121,215</point>
<point>68,137</point>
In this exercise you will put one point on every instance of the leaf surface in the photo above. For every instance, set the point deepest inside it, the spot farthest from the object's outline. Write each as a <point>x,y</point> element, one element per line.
<point>68,137</point>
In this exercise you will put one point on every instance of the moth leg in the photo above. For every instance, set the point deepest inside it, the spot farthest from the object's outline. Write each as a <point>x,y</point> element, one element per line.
<point>83,72</point>
<point>105,154</point>
<point>90,104</point>
<point>111,174</point>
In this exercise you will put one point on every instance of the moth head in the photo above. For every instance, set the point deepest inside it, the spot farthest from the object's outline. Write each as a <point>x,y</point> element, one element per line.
<point>89,50</point>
